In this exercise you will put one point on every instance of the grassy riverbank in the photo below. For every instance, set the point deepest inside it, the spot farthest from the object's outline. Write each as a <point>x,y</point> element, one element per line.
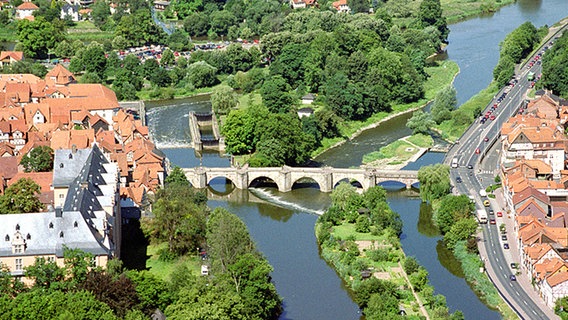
<point>163,269</point>
<point>440,76</point>
<point>364,248</point>
<point>400,151</point>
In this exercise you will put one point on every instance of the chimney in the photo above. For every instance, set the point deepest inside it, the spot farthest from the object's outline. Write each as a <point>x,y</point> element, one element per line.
<point>74,148</point>
<point>58,212</point>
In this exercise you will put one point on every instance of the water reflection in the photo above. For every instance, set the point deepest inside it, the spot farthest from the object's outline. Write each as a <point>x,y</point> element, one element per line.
<point>529,6</point>
<point>448,260</point>
<point>425,224</point>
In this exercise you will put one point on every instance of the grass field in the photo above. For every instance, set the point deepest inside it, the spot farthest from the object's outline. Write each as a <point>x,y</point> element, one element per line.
<point>86,31</point>
<point>163,269</point>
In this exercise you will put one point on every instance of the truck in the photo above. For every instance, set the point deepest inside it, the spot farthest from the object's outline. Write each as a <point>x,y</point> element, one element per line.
<point>455,162</point>
<point>530,76</point>
<point>482,216</point>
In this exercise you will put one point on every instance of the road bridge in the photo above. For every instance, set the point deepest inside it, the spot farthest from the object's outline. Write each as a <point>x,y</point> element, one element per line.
<point>284,177</point>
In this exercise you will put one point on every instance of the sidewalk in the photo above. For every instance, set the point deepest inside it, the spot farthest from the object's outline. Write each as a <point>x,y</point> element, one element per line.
<point>514,255</point>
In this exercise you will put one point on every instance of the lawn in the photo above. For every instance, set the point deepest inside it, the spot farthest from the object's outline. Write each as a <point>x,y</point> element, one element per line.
<point>163,269</point>
<point>347,230</point>
<point>86,31</point>
<point>421,140</point>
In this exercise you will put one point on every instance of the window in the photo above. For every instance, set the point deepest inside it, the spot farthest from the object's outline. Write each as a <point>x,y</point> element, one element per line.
<point>18,264</point>
<point>75,224</point>
<point>51,225</point>
<point>61,196</point>
<point>61,234</point>
<point>28,237</point>
<point>61,165</point>
<point>18,226</point>
<point>7,238</point>
<point>50,259</point>
<point>70,156</point>
<point>18,248</point>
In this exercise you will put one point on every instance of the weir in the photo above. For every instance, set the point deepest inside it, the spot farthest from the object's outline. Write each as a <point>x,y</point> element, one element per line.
<point>199,123</point>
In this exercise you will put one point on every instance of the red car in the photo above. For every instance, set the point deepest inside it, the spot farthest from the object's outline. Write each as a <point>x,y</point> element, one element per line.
<point>492,117</point>
<point>499,213</point>
<point>492,221</point>
<point>477,151</point>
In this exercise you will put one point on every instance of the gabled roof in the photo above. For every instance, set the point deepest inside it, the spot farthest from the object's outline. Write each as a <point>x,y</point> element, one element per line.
<point>27,6</point>
<point>530,193</point>
<point>15,55</point>
<point>59,76</point>
<point>43,179</point>
<point>557,279</point>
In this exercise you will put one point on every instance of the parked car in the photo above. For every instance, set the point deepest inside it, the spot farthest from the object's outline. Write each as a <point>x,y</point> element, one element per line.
<point>514,265</point>
<point>458,179</point>
<point>469,166</point>
<point>486,203</point>
<point>504,237</point>
<point>492,221</point>
<point>499,213</point>
<point>512,277</point>
<point>505,246</point>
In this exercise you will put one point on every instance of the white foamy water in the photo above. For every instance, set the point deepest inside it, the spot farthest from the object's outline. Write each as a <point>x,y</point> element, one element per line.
<point>278,201</point>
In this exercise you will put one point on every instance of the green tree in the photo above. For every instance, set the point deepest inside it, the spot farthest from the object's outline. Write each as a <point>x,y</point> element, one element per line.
<point>39,159</point>
<point>201,74</point>
<point>420,122</point>
<point>275,95</point>
<point>461,230</point>
<point>430,14</point>
<point>555,67</point>
<point>45,274</point>
<point>561,308</point>
<point>358,6</point>
<point>239,129</point>
<point>78,263</point>
<point>452,209</point>
<point>227,239</point>
<point>100,13</point>
<point>139,29</point>
<point>64,50</point>
<point>152,292</point>
<point>38,37</point>
<point>179,219</point>
<point>434,181</point>
<point>176,176</point>
<point>411,265</point>
<point>21,197</point>
<point>168,58</point>
<point>94,60</point>
<point>444,103</point>
<point>119,294</point>
<point>196,24</point>
<point>223,100</point>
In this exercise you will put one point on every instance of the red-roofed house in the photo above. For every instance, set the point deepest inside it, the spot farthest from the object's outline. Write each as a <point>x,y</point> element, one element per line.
<point>25,10</point>
<point>341,6</point>
<point>9,57</point>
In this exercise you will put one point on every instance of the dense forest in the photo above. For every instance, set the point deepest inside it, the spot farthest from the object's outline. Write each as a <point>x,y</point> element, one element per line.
<point>555,67</point>
<point>356,64</point>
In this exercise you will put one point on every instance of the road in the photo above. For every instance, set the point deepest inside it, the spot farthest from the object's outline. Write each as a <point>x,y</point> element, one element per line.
<point>478,161</point>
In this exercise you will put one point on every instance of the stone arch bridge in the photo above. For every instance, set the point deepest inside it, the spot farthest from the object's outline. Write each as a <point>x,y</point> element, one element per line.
<point>285,177</point>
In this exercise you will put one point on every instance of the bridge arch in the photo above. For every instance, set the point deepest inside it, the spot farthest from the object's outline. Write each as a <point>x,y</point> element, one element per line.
<point>262,180</point>
<point>354,182</point>
<point>305,181</point>
<point>392,185</point>
<point>320,179</point>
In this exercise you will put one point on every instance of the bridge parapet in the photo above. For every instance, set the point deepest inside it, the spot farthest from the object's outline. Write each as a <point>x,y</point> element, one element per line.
<point>285,177</point>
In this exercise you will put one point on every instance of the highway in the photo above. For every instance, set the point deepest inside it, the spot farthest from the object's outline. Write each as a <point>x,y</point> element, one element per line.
<point>477,171</point>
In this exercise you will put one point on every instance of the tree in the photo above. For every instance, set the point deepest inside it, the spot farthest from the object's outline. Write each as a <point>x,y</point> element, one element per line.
<point>38,36</point>
<point>434,181</point>
<point>78,263</point>
<point>21,197</point>
<point>444,103</point>
<point>460,231</point>
<point>227,239</point>
<point>239,129</point>
<point>201,74</point>
<point>39,159</point>
<point>153,293</point>
<point>168,58</point>
<point>555,68</point>
<point>452,209</point>
<point>94,59</point>
<point>139,29</point>
<point>179,219</point>
<point>561,308</point>
<point>64,50</point>
<point>119,294</point>
<point>196,24</point>
<point>430,14</point>
<point>359,6</point>
<point>176,176</point>
<point>275,95</point>
<point>411,265</point>
<point>100,13</point>
<point>223,100</point>
<point>45,274</point>
<point>420,122</point>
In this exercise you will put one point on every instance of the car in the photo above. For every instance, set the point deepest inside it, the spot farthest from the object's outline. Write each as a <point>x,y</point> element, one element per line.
<point>469,166</point>
<point>486,203</point>
<point>492,221</point>
<point>514,265</point>
<point>499,213</point>
<point>486,139</point>
<point>458,179</point>
<point>492,117</point>
<point>504,237</point>
<point>477,151</point>
<point>512,277</point>
<point>505,246</point>
<point>491,212</point>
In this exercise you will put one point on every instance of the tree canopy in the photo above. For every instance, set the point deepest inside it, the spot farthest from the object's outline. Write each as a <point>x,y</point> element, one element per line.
<point>21,197</point>
<point>434,181</point>
<point>39,159</point>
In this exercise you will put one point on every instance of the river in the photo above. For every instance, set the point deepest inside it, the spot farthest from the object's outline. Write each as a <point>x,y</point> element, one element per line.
<point>283,226</point>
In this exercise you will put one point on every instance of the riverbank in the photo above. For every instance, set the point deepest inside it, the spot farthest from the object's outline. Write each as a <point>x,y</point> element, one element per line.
<point>364,248</point>
<point>439,77</point>
<point>398,154</point>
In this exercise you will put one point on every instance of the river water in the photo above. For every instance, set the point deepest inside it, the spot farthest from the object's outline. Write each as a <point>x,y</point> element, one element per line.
<point>282,224</point>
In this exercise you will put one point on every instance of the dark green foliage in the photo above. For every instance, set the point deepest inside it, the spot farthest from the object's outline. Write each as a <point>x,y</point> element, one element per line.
<point>21,197</point>
<point>383,306</point>
<point>516,46</point>
<point>434,181</point>
<point>411,265</point>
<point>430,14</point>
<point>38,36</point>
<point>453,208</point>
<point>40,159</point>
<point>139,29</point>
<point>275,95</point>
<point>201,74</point>
<point>555,67</point>
<point>561,308</point>
<point>152,292</point>
<point>444,103</point>
<point>180,218</point>
<point>119,294</point>
<point>420,122</point>
<point>196,24</point>
<point>363,224</point>
<point>372,286</point>
<point>45,274</point>
<point>240,130</point>
<point>176,176</point>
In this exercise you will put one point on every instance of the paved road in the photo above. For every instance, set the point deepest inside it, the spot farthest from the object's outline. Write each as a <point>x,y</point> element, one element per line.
<point>483,158</point>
